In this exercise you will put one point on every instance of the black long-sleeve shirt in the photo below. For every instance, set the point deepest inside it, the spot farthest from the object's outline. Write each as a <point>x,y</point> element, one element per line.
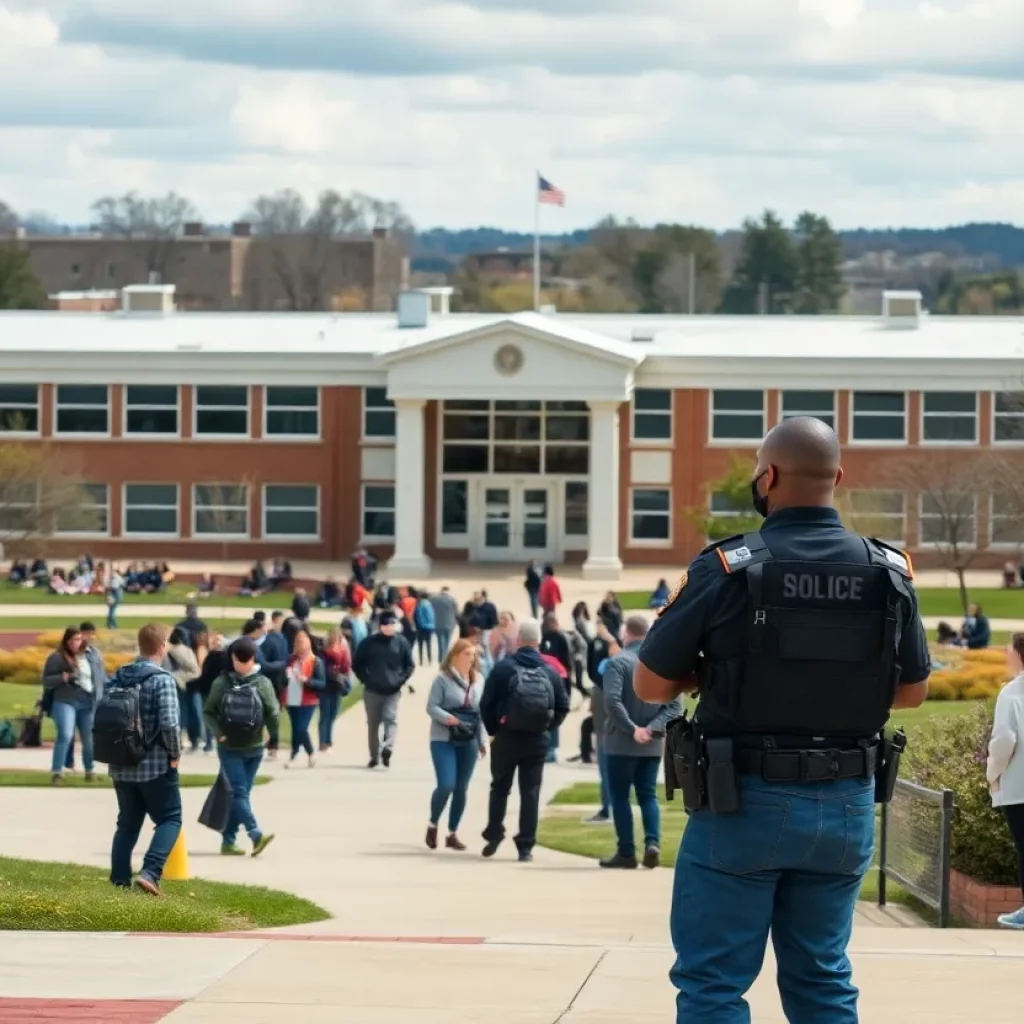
<point>494,700</point>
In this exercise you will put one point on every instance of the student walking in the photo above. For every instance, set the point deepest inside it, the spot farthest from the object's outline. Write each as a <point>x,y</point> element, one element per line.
<point>383,664</point>
<point>71,680</point>
<point>306,680</point>
<point>446,616</point>
<point>457,738</point>
<point>337,658</point>
<point>426,625</point>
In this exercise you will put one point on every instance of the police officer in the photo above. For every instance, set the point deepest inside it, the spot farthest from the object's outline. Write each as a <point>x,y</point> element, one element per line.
<point>799,640</point>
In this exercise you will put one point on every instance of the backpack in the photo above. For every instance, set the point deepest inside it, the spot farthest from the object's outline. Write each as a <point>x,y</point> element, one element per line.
<point>8,735</point>
<point>117,734</point>
<point>241,711</point>
<point>531,700</point>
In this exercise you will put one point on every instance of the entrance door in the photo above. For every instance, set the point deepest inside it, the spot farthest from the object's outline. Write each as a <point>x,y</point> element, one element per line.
<point>516,521</point>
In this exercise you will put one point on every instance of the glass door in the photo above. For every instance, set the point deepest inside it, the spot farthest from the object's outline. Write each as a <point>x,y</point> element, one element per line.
<point>515,521</point>
<point>497,539</point>
<point>533,526</point>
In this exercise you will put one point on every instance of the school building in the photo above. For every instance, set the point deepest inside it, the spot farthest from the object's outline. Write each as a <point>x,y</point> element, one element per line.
<point>429,436</point>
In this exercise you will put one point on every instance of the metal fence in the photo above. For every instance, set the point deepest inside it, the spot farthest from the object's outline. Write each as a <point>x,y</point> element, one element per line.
<point>913,846</point>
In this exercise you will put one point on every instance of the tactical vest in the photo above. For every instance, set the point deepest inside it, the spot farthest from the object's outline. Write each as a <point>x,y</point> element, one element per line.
<point>819,659</point>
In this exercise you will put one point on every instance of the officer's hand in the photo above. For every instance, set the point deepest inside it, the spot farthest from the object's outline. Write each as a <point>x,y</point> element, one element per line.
<point>642,735</point>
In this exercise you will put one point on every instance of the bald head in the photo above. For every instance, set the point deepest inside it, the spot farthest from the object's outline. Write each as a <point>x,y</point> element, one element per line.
<point>798,464</point>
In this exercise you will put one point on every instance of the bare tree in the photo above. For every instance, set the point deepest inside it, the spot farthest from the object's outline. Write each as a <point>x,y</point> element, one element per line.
<point>155,223</point>
<point>222,512</point>
<point>40,489</point>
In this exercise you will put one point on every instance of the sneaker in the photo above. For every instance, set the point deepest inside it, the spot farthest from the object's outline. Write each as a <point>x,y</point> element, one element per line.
<point>491,848</point>
<point>1014,920</point>
<point>289,762</point>
<point>262,843</point>
<point>601,818</point>
<point>147,885</point>
<point>56,779</point>
<point>617,861</point>
<point>385,757</point>
<point>90,776</point>
<point>271,754</point>
<point>525,857</point>
<point>652,857</point>
<point>453,842</point>
<point>373,763</point>
<point>231,850</point>
<point>431,837</point>
<point>312,760</point>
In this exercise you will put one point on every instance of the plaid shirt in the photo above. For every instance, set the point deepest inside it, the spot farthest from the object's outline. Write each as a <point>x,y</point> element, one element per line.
<point>161,723</point>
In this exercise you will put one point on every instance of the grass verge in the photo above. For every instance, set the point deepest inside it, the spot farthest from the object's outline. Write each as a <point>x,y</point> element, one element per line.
<point>29,778</point>
<point>176,593</point>
<point>35,895</point>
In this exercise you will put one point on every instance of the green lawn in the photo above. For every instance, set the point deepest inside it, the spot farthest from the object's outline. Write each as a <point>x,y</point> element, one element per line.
<point>27,778</point>
<point>176,593</point>
<point>70,898</point>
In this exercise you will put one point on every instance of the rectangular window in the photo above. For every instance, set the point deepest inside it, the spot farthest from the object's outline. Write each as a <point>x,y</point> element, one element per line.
<point>880,514</point>
<point>879,416</point>
<point>737,415</point>
<point>454,506</point>
<point>1005,521</point>
<point>222,410</point>
<point>151,509</point>
<point>291,510</point>
<point>378,511</point>
<point>83,409</point>
<point>819,404</point>
<point>220,510</point>
<point>378,414</point>
<point>19,408</point>
<point>652,414</point>
<point>92,517</point>
<point>949,417</point>
<point>292,412</point>
<point>948,519</point>
<point>151,409</point>
<point>576,510</point>
<point>19,508</point>
<point>650,515</point>
<point>1008,417</point>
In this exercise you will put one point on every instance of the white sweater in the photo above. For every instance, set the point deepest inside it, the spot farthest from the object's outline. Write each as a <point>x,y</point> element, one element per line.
<point>1006,748</point>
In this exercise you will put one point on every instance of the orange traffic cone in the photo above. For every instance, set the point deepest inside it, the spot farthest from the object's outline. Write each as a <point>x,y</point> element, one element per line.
<point>176,868</point>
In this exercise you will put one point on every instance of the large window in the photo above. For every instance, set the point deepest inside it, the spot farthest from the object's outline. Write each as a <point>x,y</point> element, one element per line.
<point>948,519</point>
<point>291,510</point>
<point>819,404</point>
<point>220,510</point>
<point>1005,522</point>
<point>1008,417</point>
<point>949,417</point>
<point>880,514</point>
<point>19,408</point>
<point>737,415</point>
<point>576,508</point>
<point>151,409</point>
<point>378,414</point>
<point>378,511</point>
<point>650,515</point>
<point>652,414</point>
<point>151,509</point>
<point>292,412</point>
<point>454,507</point>
<point>92,517</point>
<point>222,410</point>
<point>83,409</point>
<point>879,416</point>
<point>19,508</point>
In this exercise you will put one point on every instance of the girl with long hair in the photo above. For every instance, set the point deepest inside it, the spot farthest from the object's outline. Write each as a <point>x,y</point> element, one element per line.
<point>306,680</point>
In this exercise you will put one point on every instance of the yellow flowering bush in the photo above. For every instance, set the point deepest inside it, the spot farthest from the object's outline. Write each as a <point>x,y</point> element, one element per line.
<point>25,664</point>
<point>968,675</point>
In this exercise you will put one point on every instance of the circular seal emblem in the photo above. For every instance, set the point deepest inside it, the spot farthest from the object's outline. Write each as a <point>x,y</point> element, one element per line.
<point>508,360</point>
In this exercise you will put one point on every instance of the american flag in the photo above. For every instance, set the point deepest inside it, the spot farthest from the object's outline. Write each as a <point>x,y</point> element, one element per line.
<point>548,193</point>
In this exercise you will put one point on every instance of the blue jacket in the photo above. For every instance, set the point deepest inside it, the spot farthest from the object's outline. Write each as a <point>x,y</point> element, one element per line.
<point>424,616</point>
<point>272,655</point>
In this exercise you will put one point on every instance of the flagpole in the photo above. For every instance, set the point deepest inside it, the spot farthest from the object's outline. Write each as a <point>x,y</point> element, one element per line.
<point>536,242</point>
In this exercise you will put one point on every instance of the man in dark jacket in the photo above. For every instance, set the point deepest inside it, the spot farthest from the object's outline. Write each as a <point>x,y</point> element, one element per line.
<point>383,664</point>
<point>194,627</point>
<point>520,743</point>
<point>272,653</point>
<point>300,606</point>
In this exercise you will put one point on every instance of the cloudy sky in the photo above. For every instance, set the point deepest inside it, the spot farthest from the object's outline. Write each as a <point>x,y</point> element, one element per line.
<point>875,112</point>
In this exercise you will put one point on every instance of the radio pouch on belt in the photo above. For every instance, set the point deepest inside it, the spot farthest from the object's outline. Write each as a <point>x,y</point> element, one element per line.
<point>888,768</point>
<point>723,791</point>
<point>684,766</point>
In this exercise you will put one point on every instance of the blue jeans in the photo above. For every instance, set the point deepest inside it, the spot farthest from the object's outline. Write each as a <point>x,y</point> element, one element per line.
<point>791,861</point>
<point>602,772</point>
<point>195,725</point>
<point>66,718</point>
<point>161,800</point>
<point>624,772</point>
<point>301,719</point>
<point>329,704</point>
<point>444,641</point>
<point>553,740</point>
<point>240,770</point>
<point>112,613</point>
<point>453,766</point>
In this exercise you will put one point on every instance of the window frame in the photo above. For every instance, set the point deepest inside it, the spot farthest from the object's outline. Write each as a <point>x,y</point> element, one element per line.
<point>652,442</point>
<point>58,532</point>
<point>643,542</point>
<point>298,538</point>
<point>990,542</point>
<point>246,436</point>
<point>77,405</point>
<point>922,416</point>
<point>994,416</point>
<point>125,532</point>
<point>735,442</point>
<point>381,439</point>
<point>902,541</point>
<point>299,438</point>
<point>381,538</point>
<point>834,413</point>
<point>935,545</point>
<point>218,537</point>
<point>886,443</point>
<point>138,436</point>
<point>38,407</point>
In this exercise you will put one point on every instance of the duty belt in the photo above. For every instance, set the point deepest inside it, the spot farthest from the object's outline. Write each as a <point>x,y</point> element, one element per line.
<point>808,765</point>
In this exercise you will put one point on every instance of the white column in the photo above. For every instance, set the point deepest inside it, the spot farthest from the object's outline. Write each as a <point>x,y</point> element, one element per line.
<point>603,498</point>
<point>410,559</point>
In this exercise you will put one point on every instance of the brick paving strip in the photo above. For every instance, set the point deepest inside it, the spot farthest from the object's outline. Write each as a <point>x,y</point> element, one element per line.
<point>84,1011</point>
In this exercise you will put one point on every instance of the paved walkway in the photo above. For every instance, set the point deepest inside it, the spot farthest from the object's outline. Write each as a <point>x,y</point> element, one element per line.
<point>420,937</point>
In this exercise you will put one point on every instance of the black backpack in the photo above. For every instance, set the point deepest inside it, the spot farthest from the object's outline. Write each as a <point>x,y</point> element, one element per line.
<point>241,710</point>
<point>117,734</point>
<point>531,700</point>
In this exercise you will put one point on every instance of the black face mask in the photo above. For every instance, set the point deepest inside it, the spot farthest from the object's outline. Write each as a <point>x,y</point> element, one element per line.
<point>760,504</point>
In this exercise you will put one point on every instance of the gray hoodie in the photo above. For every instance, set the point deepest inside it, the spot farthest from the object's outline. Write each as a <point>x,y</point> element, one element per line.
<point>448,694</point>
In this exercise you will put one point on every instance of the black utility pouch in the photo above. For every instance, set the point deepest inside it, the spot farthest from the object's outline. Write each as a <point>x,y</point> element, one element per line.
<point>723,785</point>
<point>684,761</point>
<point>888,768</point>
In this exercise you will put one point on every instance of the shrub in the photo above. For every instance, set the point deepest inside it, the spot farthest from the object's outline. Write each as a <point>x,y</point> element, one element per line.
<point>25,665</point>
<point>951,755</point>
<point>967,675</point>
<point>114,640</point>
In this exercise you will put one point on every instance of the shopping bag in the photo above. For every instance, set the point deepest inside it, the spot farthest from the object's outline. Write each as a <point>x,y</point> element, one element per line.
<point>217,807</point>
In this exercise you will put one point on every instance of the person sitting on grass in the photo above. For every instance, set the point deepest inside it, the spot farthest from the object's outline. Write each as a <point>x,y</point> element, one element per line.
<point>18,572</point>
<point>207,587</point>
<point>240,707</point>
<point>329,595</point>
